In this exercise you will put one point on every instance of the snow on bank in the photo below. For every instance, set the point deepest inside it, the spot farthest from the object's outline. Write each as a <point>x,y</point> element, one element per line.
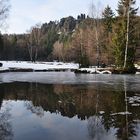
<point>137,66</point>
<point>37,66</point>
<point>47,66</point>
<point>88,70</point>
<point>52,66</point>
<point>121,113</point>
<point>134,101</point>
<point>137,73</point>
<point>95,70</point>
<point>4,69</point>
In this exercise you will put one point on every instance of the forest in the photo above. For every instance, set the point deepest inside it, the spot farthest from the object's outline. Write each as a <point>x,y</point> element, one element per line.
<point>109,38</point>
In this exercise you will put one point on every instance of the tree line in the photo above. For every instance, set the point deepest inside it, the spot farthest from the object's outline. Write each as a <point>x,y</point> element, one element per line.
<point>88,40</point>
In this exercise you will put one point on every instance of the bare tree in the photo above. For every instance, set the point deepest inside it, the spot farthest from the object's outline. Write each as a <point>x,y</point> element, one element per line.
<point>80,46</point>
<point>33,40</point>
<point>4,11</point>
<point>36,34</point>
<point>94,14</point>
<point>58,51</point>
<point>29,45</point>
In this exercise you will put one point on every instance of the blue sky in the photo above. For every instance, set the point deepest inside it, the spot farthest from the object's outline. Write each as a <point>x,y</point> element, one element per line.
<point>27,13</point>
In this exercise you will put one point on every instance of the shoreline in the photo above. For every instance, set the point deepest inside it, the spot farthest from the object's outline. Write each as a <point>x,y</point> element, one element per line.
<point>26,66</point>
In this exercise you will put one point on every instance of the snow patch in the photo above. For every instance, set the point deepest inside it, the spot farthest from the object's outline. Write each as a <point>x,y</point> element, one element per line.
<point>122,113</point>
<point>137,66</point>
<point>136,104</point>
<point>37,66</point>
<point>137,73</point>
<point>3,69</point>
<point>134,101</point>
<point>101,112</point>
<point>95,70</point>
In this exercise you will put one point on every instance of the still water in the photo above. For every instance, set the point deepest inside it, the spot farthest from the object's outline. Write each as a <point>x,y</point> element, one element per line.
<point>65,106</point>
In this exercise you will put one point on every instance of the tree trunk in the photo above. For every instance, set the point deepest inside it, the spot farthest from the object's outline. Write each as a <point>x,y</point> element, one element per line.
<point>127,35</point>
<point>30,53</point>
<point>97,43</point>
<point>36,53</point>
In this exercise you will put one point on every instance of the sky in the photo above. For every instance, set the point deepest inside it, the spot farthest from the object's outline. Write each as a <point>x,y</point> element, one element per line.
<point>26,13</point>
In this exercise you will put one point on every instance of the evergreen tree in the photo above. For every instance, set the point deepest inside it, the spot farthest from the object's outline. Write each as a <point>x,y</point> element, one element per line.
<point>108,19</point>
<point>125,40</point>
<point>123,6</point>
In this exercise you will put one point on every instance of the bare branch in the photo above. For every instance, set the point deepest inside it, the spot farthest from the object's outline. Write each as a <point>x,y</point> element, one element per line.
<point>4,11</point>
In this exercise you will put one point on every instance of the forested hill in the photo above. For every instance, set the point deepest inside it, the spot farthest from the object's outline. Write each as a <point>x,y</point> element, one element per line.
<point>40,40</point>
<point>69,39</point>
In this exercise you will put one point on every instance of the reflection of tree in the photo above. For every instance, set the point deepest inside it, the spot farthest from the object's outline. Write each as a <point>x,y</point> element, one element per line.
<point>100,125</point>
<point>81,100</point>
<point>5,126</point>
<point>1,95</point>
<point>107,119</point>
<point>96,128</point>
<point>126,125</point>
<point>95,125</point>
<point>1,100</point>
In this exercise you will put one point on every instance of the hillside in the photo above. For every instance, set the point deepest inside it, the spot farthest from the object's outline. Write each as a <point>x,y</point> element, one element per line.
<point>66,40</point>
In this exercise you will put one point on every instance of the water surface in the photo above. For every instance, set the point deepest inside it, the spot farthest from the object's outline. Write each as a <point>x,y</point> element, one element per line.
<point>65,106</point>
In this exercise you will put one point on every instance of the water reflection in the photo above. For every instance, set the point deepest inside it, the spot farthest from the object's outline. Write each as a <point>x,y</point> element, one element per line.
<point>5,125</point>
<point>46,111</point>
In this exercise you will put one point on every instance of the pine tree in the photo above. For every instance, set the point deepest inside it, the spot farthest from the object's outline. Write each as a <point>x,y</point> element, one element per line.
<point>123,6</point>
<point>108,19</point>
<point>125,40</point>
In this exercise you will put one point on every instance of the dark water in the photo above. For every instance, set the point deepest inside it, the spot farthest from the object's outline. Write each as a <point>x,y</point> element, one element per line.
<point>65,106</point>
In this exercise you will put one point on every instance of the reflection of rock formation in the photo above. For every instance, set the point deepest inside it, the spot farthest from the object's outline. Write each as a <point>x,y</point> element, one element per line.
<point>5,126</point>
<point>71,100</point>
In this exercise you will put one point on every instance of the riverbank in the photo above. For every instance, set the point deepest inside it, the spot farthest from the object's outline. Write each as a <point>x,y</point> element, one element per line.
<point>26,66</point>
